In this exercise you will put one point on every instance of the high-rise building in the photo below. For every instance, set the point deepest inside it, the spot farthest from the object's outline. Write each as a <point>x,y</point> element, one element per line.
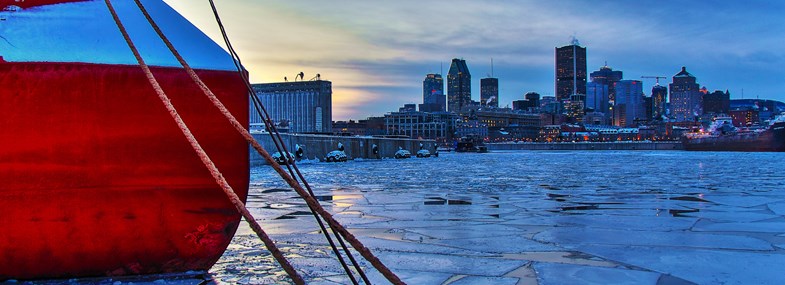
<point>597,97</point>
<point>533,97</point>
<point>489,92</point>
<point>609,77</point>
<point>433,94</point>
<point>459,86</point>
<point>629,107</point>
<point>302,106</point>
<point>570,70</point>
<point>716,103</point>
<point>686,101</point>
<point>659,94</point>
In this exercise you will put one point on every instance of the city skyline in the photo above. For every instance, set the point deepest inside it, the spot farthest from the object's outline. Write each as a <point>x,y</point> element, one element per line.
<point>376,54</point>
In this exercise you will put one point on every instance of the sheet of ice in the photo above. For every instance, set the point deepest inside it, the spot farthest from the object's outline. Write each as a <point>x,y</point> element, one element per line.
<point>746,201</point>
<point>482,280</point>
<point>649,223</point>
<point>454,264</point>
<point>85,32</point>
<point>499,244</point>
<point>573,237</point>
<point>566,274</point>
<point>731,216</point>
<point>702,266</point>
<point>778,208</point>
<point>759,227</point>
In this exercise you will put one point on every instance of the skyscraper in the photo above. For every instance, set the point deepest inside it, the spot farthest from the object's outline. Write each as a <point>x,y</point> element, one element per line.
<point>685,97</point>
<point>570,70</point>
<point>597,97</point>
<point>609,77</point>
<point>459,86</point>
<point>433,94</point>
<point>489,92</point>
<point>629,105</point>
<point>659,94</point>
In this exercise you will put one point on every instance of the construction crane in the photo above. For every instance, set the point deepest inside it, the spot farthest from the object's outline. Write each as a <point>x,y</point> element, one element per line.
<point>655,77</point>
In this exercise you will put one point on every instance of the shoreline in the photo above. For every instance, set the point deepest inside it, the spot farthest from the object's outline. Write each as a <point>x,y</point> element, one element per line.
<point>617,145</point>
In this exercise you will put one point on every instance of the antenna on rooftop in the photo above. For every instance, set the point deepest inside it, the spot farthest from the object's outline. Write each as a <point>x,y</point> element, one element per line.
<point>491,67</point>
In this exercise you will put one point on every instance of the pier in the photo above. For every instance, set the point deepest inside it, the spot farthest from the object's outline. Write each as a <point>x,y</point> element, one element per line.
<point>317,146</point>
<point>617,145</point>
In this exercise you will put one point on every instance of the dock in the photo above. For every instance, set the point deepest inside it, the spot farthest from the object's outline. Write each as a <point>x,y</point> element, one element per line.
<point>317,146</point>
<point>616,145</point>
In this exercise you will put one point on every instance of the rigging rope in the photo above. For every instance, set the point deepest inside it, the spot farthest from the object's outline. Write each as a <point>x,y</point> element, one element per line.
<point>281,147</point>
<point>240,128</point>
<point>236,201</point>
<point>308,197</point>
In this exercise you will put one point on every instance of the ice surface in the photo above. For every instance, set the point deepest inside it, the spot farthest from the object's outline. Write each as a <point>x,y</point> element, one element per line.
<point>700,265</point>
<point>580,236</point>
<point>564,274</point>
<point>690,217</point>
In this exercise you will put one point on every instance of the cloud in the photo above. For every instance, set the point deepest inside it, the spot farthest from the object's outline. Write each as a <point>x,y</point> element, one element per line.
<point>377,53</point>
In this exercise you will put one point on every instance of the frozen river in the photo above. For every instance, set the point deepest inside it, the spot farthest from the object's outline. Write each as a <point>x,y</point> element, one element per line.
<point>595,217</point>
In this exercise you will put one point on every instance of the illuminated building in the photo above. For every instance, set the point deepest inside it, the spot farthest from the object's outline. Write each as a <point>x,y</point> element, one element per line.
<point>489,92</point>
<point>459,86</point>
<point>570,71</point>
<point>629,107</point>
<point>609,77</point>
<point>414,124</point>
<point>597,97</point>
<point>686,101</point>
<point>433,99</point>
<point>659,94</point>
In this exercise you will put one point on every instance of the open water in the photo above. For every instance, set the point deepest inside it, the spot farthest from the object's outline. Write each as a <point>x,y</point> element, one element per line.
<point>531,217</point>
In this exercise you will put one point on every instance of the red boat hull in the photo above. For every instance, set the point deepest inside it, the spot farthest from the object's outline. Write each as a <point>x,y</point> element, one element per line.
<point>99,181</point>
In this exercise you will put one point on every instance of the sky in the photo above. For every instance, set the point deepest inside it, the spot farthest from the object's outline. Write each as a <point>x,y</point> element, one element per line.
<point>377,53</point>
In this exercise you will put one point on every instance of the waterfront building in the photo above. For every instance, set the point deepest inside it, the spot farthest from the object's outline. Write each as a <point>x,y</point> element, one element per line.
<point>534,98</point>
<point>606,75</point>
<point>686,101</point>
<point>302,106</point>
<point>717,102</point>
<point>459,86</point>
<point>414,124</point>
<point>597,97</point>
<point>546,101</point>
<point>531,102</point>
<point>745,117</point>
<point>659,95</point>
<point>520,105</point>
<point>648,108</point>
<point>433,98</point>
<point>629,107</point>
<point>575,107</point>
<point>570,71</point>
<point>489,92</point>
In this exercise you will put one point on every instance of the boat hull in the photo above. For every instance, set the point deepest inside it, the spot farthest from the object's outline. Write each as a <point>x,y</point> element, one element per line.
<point>771,140</point>
<point>99,181</point>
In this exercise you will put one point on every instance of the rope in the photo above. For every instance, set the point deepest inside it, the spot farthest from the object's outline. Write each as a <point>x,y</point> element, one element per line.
<point>281,147</point>
<point>236,201</point>
<point>310,200</point>
<point>239,127</point>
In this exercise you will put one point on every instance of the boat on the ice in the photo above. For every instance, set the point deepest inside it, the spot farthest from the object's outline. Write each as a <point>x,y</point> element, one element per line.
<point>97,178</point>
<point>471,144</point>
<point>721,135</point>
